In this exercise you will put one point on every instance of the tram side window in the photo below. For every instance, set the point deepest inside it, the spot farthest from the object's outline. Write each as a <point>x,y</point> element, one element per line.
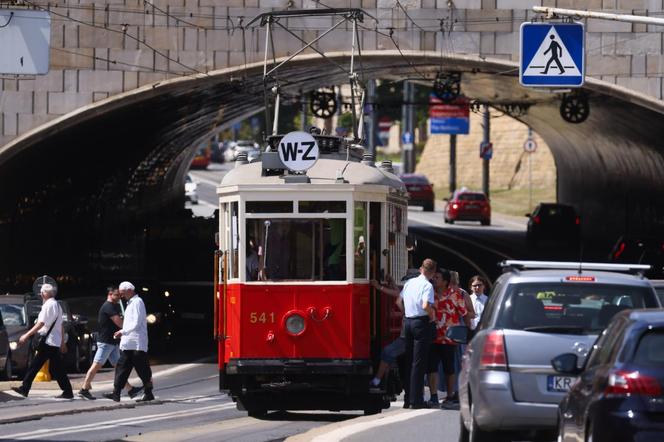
<point>297,249</point>
<point>234,242</point>
<point>359,240</point>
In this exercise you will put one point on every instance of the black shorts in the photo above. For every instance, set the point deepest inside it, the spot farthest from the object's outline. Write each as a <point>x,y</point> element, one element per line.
<point>444,353</point>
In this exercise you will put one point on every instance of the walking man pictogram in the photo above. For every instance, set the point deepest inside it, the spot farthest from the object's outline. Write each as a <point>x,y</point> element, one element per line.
<point>554,47</point>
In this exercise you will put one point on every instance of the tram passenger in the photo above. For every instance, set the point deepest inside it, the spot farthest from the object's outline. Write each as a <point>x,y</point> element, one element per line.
<point>417,301</point>
<point>334,249</point>
<point>252,260</point>
<point>277,250</point>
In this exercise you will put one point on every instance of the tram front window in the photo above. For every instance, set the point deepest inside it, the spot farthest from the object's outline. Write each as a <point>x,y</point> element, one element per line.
<point>296,249</point>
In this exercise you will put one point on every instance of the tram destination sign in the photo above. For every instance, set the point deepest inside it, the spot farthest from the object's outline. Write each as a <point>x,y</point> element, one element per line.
<point>298,151</point>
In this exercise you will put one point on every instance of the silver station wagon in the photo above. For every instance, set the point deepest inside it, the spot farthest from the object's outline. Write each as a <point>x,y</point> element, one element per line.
<point>536,311</point>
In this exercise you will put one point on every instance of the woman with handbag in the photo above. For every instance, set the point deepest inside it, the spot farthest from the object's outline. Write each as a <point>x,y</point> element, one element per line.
<point>50,345</point>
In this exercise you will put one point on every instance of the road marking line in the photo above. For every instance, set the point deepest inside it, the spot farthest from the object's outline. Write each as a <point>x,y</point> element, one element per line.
<point>117,423</point>
<point>349,430</point>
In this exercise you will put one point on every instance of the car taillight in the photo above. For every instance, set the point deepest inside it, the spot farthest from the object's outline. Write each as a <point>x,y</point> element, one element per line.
<point>493,353</point>
<point>624,382</point>
<point>621,249</point>
<point>536,219</point>
<point>455,206</point>
<point>577,221</point>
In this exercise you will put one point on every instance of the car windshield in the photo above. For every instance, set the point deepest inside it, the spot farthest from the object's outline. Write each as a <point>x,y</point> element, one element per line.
<point>556,211</point>
<point>471,197</point>
<point>581,308</point>
<point>13,314</point>
<point>650,351</point>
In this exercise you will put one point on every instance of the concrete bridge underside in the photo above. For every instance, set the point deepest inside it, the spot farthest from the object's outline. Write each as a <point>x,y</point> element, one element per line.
<point>93,184</point>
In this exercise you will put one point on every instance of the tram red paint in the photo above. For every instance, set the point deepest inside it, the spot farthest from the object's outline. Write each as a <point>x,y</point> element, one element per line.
<point>337,321</point>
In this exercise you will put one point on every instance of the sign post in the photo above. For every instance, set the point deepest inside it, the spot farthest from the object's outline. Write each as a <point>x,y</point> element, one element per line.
<point>530,146</point>
<point>552,55</point>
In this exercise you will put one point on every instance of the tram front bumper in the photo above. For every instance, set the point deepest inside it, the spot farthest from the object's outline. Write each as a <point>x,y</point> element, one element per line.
<point>299,366</point>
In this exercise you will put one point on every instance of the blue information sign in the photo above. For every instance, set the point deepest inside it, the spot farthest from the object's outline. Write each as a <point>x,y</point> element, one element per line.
<point>552,55</point>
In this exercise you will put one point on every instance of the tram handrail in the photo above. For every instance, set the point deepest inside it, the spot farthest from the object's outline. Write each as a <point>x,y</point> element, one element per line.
<point>215,324</point>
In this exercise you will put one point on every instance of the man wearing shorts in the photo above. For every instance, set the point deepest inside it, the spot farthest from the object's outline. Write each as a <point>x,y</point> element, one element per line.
<point>110,321</point>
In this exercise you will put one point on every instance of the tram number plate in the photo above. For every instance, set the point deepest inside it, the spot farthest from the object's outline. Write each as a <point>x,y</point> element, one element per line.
<point>261,317</point>
<point>560,383</point>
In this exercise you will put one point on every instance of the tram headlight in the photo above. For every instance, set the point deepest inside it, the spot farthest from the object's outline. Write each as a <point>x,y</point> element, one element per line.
<point>295,324</point>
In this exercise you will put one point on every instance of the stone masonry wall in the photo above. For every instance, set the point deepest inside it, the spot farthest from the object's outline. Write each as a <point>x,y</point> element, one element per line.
<point>102,48</point>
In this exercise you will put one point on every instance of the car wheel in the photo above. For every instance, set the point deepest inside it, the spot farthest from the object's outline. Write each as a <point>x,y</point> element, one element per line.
<point>428,207</point>
<point>589,432</point>
<point>6,374</point>
<point>486,222</point>
<point>450,221</point>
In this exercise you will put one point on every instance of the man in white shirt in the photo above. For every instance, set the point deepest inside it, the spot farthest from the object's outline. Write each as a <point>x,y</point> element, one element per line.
<point>417,298</point>
<point>133,345</point>
<point>49,324</point>
<point>479,299</point>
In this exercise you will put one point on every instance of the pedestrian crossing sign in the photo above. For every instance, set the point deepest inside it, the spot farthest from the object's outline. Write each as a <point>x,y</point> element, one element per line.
<point>552,55</point>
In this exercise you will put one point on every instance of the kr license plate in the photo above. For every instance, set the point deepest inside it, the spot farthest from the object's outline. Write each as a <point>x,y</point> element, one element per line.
<point>560,383</point>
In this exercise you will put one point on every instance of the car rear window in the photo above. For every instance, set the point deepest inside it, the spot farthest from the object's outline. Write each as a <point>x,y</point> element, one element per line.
<point>650,351</point>
<point>583,308</point>
<point>471,197</point>
<point>415,180</point>
<point>557,212</point>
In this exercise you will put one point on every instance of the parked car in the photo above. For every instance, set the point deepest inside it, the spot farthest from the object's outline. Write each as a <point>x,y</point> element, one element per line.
<point>19,313</point>
<point>202,158</point>
<point>190,190</point>
<point>618,395</point>
<point>420,191</point>
<point>553,221</point>
<point>642,249</point>
<point>538,310</point>
<point>5,354</point>
<point>465,205</point>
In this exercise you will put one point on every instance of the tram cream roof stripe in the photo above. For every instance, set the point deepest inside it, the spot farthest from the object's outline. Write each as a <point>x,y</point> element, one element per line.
<point>323,172</point>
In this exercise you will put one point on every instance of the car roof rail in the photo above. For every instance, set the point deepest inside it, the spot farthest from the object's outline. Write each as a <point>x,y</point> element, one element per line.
<point>514,265</point>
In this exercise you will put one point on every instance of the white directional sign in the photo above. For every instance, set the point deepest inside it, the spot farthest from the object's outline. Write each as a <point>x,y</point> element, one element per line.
<point>298,151</point>
<point>25,37</point>
<point>552,55</point>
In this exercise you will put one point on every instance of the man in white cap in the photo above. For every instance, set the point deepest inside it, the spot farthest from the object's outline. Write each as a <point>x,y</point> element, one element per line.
<point>133,345</point>
<point>51,344</point>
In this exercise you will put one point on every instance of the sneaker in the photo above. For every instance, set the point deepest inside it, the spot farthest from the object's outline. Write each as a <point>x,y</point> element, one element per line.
<point>86,394</point>
<point>112,396</point>
<point>69,395</point>
<point>450,403</point>
<point>20,391</point>
<point>147,396</point>
<point>134,391</point>
<point>433,403</point>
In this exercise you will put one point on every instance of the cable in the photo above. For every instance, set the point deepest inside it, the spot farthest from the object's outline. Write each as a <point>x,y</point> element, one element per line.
<point>408,16</point>
<point>108,60</point>
<point>9,20</point>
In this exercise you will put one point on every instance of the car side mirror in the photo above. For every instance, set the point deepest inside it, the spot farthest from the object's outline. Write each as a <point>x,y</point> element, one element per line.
<point>458,333</point>
<point>527,215</point>
<point>566,363</point>
<point>446,199</point>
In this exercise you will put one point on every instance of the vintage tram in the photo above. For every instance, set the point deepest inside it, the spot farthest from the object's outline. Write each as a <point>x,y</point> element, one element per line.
<point>298,325</point>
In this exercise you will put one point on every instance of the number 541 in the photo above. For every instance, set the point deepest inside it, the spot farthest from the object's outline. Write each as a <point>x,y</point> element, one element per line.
<point>262,317</point>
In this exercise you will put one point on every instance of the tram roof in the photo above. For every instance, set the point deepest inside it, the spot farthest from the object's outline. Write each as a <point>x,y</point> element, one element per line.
<point>323,172</point>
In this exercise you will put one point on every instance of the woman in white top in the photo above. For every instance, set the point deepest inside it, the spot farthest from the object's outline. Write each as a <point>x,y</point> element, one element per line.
<point>477,286</point>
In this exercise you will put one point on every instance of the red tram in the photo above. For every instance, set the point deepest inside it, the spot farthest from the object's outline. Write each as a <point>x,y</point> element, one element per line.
<point>298,325</point>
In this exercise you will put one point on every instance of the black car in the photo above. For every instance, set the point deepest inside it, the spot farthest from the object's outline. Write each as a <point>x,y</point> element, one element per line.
<point>618,395</point>
<point>553,221</point>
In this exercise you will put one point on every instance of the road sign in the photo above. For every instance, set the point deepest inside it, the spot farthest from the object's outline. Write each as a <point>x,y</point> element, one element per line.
<point>530,146</point>
<point>384,126</point>
<point>449,118</point>
<point>25,37</point>
<point>552,55</point>
<point>407,138</point>
<point>298,151</point>
<point>486,150</point>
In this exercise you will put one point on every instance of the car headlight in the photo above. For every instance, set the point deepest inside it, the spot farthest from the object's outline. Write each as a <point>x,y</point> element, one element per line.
<point>151,318</point>
<point>13,345</point>
<point>295,324</point>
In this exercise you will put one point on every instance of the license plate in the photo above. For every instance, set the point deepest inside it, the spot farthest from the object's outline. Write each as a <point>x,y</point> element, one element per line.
<point>414,188</point>
<point>560,383</point>
<point>472,206</point>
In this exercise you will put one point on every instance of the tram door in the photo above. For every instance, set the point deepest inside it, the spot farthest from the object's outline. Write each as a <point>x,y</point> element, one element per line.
<point>377,272</point>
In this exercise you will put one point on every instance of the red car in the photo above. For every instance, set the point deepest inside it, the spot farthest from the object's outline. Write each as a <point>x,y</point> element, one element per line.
<point>468,206</point>
<point>420,190</point>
